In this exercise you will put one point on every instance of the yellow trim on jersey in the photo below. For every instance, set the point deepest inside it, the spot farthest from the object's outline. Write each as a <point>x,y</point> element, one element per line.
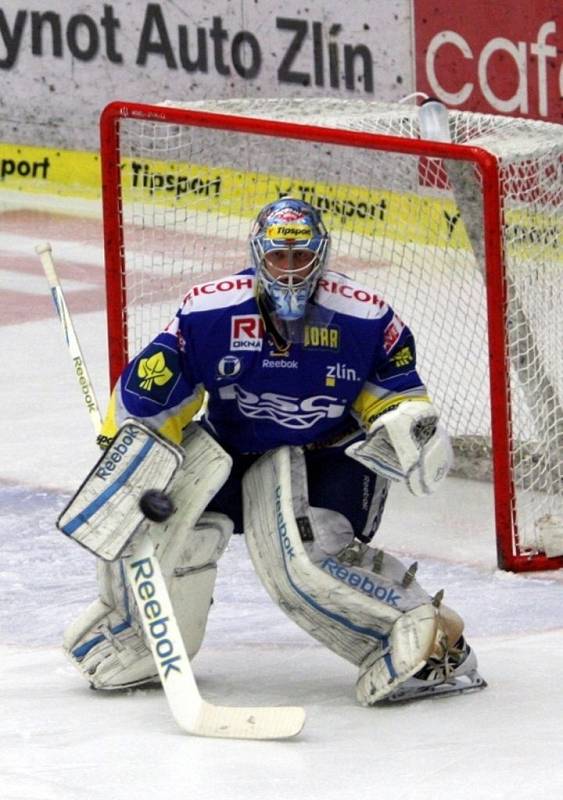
<point>110,425</point>
<point>368,407</point>
<point>174,426</point>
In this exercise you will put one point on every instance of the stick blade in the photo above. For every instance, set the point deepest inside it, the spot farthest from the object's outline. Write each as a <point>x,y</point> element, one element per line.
<point>226,722</point>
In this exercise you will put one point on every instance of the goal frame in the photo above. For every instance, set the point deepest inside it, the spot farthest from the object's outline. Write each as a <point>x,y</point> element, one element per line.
<point>496,288</point>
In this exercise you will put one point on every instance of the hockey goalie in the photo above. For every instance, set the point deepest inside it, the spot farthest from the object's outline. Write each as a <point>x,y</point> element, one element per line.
<point>314,408</point>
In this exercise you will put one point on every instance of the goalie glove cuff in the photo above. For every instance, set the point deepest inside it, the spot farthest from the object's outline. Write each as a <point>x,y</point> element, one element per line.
<point>407,443</point>
<point>435,461</point>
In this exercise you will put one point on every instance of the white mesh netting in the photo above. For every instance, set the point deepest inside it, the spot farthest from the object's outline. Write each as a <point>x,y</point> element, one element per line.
<point>190,193</point>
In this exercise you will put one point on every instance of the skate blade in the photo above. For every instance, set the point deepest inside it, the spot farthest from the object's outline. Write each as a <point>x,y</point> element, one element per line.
<point>471,682</point>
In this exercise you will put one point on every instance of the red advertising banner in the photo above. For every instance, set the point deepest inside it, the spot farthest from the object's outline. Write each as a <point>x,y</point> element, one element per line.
<point>504,57</point>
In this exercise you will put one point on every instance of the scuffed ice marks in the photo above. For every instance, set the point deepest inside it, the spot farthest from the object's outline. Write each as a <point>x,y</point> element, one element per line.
<point>45,580</point>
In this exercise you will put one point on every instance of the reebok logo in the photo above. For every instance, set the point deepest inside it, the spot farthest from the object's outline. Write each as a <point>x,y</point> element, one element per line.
<point>360,582</point>
<point>282,527</point>
<point>84,384</point>
<point>116,453</point>
<point>140,574</point>
<point>272,363</point>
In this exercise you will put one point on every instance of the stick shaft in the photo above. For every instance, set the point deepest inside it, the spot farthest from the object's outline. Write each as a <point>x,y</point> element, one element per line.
<point>75,351</point>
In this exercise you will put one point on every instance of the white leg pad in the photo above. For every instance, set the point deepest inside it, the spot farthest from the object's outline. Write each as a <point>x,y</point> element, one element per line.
<point>359,602</point>
<point>192,583</point>
<point>107,643</point>
<point>413,639</point>
<point>349,622</point>
<point>109,650</point>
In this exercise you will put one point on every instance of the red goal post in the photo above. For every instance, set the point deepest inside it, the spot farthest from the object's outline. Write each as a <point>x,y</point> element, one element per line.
<point>180,186</point>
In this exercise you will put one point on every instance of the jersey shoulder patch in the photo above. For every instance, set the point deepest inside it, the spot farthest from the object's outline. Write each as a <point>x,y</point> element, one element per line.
<point>153,375</point>
<point>225,292</point>
<point>341,294</point>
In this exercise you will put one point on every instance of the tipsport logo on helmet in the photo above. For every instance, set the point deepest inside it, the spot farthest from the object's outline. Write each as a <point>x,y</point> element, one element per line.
<point>289,412</point>
<point>289,233</point>
<point>288,221</point>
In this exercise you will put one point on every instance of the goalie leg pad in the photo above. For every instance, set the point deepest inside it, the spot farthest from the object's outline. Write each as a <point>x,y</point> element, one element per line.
<point>107,642</point>
<point>204,470</point>
<point>423,637</point>
<point>412,640</point>
<point>358,601</point>
<point>342,603</point>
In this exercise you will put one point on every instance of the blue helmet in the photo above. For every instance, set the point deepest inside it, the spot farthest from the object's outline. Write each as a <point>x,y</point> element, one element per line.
<point>289,225</point>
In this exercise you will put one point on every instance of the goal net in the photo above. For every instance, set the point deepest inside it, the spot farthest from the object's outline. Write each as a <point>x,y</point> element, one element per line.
<point>462,239</point>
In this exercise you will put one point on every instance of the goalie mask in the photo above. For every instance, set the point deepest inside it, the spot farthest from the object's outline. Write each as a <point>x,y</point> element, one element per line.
<point>289,246</point>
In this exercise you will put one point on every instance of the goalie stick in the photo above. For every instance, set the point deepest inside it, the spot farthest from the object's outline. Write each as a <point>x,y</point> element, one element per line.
<point>193,714</point>
<point>45,254</point>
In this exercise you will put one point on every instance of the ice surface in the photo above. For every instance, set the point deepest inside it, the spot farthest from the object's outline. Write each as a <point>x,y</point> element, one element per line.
<point>60,740</point>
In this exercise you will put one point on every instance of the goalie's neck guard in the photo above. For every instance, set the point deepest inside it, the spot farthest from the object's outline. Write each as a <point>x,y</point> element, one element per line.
<point>287,332</point>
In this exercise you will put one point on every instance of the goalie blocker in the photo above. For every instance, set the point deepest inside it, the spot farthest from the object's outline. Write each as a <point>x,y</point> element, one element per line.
<point>106,511</point>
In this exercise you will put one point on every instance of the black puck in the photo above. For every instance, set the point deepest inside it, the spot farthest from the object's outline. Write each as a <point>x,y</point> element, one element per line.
<point>156,505</point>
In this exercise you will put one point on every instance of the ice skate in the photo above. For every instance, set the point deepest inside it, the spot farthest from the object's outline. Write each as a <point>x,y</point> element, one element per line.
<point>455,673</point>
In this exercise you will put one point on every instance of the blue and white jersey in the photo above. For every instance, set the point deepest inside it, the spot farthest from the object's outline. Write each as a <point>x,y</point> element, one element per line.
<point>341,376</point>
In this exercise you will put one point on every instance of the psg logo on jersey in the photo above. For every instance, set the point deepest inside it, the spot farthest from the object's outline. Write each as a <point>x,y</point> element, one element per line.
<point>228,367</point>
